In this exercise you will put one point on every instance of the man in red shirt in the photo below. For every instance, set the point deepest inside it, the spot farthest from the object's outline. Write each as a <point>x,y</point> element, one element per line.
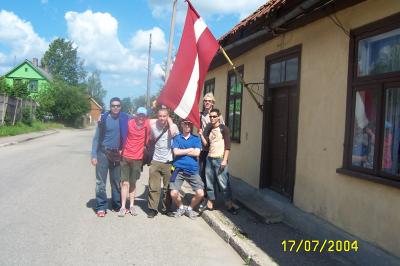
<point>132,155</point>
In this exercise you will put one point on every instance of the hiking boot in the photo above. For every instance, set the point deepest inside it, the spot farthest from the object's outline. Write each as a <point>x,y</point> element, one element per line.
<point>179,212</point>
<point>132,211</point>
<point>152,213</point>
<point>190,213</point>
<point>122,212</point>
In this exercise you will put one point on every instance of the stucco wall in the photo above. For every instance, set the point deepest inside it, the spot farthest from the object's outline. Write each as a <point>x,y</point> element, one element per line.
<point>365,209</point>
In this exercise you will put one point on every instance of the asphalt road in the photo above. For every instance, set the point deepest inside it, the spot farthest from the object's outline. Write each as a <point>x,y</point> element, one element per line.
<point>46,199</point>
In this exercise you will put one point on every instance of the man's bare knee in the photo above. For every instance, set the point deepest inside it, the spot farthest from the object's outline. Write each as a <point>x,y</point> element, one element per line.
<point>174,193</point>
<point>199,193</point>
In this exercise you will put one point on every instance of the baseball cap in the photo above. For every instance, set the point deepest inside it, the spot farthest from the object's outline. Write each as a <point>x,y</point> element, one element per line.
<point>141,110</point>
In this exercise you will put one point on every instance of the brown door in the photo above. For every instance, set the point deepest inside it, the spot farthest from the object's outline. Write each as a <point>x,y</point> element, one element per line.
<point>283,139</point>
<point>280,121</point>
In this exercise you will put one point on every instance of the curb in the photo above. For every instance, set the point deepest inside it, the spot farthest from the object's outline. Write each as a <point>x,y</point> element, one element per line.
<point>247,250</point>
<point>27,139</point>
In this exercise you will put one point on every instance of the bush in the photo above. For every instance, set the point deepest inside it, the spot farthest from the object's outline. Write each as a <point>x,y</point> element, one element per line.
<point>70,104</point>
<point>27,116</point>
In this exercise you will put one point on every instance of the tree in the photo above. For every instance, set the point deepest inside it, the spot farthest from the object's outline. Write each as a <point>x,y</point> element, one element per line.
<point>46,99</point>
<point>19,89</point>
<point>65,103</point>
<point>95,88</point>
<point>126,105</point>
<point>4,87</point>
<point>63,63</point>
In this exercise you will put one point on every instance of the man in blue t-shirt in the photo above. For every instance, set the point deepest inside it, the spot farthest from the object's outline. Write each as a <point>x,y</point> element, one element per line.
<point>186,148</point>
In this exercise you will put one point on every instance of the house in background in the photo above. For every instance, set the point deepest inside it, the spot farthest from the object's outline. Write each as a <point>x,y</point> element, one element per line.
<point>95,112</point>
<point>29,72</point>
<point>327,137</point>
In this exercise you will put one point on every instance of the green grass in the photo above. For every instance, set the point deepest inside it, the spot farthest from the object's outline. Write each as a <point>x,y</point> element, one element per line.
<point>20,128</point>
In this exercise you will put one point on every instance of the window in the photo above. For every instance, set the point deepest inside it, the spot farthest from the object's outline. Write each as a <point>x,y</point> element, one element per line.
<point>284,71</point>
<point>234,104</point>
<point>33,86</point>
<point>372,145</point>
<point>209,86</point>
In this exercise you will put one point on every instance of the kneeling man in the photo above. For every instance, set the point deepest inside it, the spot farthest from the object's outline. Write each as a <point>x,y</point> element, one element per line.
<point>186,148</point>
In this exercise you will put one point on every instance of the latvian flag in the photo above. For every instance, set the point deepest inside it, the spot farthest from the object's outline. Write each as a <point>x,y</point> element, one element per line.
<point>197,48</point>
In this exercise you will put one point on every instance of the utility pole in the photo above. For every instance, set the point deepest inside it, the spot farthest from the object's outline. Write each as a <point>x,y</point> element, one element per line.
<point>148,76</point>
<point>171,39</point>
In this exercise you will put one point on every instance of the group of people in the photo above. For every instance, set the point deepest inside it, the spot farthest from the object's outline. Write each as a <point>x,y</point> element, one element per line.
<point>201,160</point>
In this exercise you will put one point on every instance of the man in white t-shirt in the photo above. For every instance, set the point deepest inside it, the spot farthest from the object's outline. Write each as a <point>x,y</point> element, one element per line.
<point>162,130</point>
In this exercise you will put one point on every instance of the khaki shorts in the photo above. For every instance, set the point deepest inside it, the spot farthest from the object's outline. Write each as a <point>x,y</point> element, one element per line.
<point>130,170</point>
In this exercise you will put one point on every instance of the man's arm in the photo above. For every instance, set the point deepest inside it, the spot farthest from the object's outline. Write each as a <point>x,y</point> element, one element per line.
<point>203,139</point>
<point>95,145</point>
<point>227,145</point>
<point>190,152</point>
<point>173,128</point>
<point>195,152</point>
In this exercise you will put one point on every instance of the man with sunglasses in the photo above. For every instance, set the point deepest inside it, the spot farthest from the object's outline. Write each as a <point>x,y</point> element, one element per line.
<point>186,148</point>
<point>208,105</point>
<point>217,138</point>
<point>110,133</point>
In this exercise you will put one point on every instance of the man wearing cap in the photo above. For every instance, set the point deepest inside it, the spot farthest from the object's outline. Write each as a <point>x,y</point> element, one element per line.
<point>186,148</point>
<point>132,155</point>
<point>208,104</point>
<point>110,133</point>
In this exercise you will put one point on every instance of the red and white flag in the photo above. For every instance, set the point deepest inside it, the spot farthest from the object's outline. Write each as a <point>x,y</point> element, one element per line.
<point>197,48</point>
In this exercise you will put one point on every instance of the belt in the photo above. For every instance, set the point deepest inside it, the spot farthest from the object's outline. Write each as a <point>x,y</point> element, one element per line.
<point>104,149</point>
<point>217,157</point>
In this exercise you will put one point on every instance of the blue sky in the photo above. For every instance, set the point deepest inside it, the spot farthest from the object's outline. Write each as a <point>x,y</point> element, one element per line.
<point>111,36</point>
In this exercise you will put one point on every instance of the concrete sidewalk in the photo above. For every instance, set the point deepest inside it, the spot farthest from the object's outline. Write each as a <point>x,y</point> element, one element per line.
<point>12,140</point>
<point>267,219</point>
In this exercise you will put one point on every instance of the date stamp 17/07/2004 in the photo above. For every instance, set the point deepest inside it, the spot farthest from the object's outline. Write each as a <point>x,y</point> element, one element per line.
<point>306,245</point>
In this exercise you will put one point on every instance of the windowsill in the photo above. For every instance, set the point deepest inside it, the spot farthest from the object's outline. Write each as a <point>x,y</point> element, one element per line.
<point>376,179</point>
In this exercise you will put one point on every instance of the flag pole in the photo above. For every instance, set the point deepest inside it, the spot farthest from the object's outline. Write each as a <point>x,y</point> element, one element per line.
<point>171,39</point>
<point>222,50</point>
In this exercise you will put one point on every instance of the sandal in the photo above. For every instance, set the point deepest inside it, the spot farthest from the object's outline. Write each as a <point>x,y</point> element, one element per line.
<point>101,214</point>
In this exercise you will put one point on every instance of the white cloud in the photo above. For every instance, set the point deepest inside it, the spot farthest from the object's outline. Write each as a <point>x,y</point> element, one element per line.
<point>140,41</point>
<point>158,72</point>
<point>95,34</point>
<point>44,1</point>
<point>207,8</point>
<point>20,38</point>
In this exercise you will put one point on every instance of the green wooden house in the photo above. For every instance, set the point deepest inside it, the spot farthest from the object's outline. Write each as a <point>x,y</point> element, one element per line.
<point>29,72</point>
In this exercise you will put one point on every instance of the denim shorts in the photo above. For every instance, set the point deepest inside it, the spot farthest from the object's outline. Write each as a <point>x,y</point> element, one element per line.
<point>194,180</point>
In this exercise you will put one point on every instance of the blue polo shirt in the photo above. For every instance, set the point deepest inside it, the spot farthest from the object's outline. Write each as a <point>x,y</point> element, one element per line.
<point>186,162</point>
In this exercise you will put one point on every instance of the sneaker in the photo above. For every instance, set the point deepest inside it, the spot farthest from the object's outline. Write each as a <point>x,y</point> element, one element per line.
<point>122,212</point>
<point>152,213</point>
<point>233,210</point>
<point>190,213</point>
<point>202,206</point>
<point>179,212</point>
<point>101,213</point>
<point>132,211</point>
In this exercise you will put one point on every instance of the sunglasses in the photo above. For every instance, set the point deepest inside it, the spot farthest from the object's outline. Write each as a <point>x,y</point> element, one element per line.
<point>115,106</point>
<point>207,101</point>
<point>213,116</point>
